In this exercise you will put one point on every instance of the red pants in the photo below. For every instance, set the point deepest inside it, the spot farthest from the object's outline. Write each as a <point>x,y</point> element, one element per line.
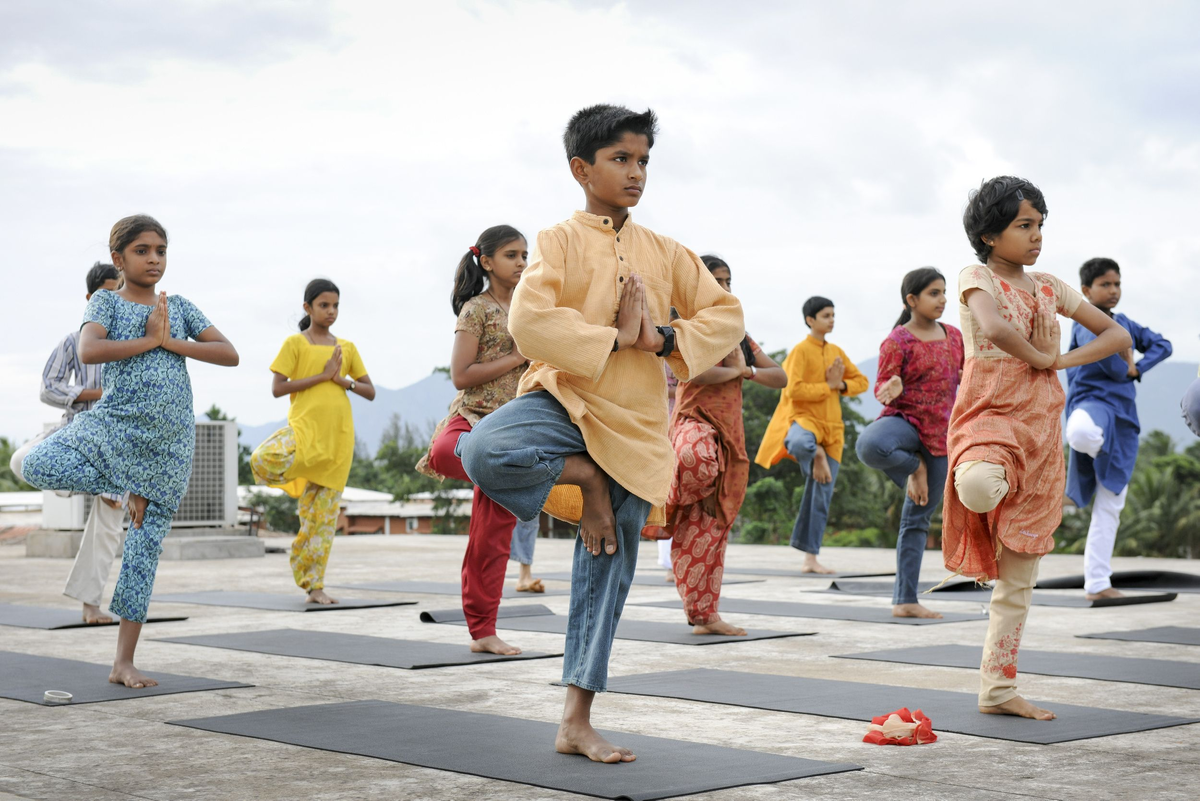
<point>698,541</point>
<point>488,538</point>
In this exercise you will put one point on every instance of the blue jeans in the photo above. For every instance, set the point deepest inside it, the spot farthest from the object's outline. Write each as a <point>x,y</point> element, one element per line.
<point>524,535</point>
<point>515,455</point>
<point>814,509</point>
<point>50,465</point>
<point>892,444</point>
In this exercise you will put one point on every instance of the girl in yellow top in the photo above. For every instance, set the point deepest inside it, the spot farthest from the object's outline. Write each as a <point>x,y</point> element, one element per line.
<point>310,457</point>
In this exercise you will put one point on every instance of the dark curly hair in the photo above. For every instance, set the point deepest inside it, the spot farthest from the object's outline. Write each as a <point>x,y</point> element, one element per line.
<point>993,206</point>
<point>1094,268</point>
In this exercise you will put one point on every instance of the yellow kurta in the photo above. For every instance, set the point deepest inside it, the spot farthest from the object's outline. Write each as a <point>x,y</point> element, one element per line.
<point>808,400</point>
<point>319,416</point>
<point>563,318</point>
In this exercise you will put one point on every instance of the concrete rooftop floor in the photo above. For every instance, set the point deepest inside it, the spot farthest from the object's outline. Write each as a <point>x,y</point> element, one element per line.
<point>122,750</point>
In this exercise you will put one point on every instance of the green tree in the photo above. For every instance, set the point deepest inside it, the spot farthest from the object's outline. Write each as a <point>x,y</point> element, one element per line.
<point>245,476</point>
<point>8,480</point>
<point>278,510</point>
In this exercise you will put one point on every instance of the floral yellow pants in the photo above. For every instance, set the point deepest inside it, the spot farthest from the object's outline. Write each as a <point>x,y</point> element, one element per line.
<point>317,506</point>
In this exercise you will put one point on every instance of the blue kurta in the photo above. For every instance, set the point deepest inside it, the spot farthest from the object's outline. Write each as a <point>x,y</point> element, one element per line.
<point>1106,392</point>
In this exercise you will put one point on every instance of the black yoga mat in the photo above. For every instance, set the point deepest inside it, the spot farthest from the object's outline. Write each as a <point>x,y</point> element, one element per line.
<point>1157,672</point>
<point>46,617</point>
<point>1161,580</point>
<point>860,614</point>
<point>1173,635</point>
<point>357,649</point>
<point>970,591</point>
<point>774,571</point>
<point>949,711</point>
<point>535,617</point>
<point>441,588</point>
<point>269,600</point>
<point>655,578</point>
<point>513,749</point>
<point>26,677</point>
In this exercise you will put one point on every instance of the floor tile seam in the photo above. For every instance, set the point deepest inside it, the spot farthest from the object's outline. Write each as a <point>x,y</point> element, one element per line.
<point>76,781</point>
<point>989,789</point>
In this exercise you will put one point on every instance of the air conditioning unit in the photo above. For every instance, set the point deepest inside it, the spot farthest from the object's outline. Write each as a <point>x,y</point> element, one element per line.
<point>211,499</point>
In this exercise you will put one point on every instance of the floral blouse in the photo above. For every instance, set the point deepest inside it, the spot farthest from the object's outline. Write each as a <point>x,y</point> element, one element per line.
<point>930,373</point>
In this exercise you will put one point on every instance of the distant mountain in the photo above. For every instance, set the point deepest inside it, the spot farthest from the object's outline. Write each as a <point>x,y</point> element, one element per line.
<point>421,405</point>
<point>1157,398</point>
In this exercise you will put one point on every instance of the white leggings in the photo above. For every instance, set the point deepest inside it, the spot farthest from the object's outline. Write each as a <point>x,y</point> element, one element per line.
<point>1085,436</point>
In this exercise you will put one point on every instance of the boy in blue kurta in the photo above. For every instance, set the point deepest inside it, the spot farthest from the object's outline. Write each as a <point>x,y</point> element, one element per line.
<point>1102,423</point>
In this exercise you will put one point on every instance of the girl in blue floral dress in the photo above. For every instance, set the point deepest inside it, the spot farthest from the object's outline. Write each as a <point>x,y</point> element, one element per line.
<point>139,437</point>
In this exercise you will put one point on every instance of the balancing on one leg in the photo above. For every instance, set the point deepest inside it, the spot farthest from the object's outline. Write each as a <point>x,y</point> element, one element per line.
<point>920,364</point>
<point>1004,492</point>
<point>310,457</point>
<point>139,437</point>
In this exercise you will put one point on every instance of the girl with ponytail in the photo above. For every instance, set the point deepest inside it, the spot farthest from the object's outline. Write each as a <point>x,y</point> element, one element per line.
<point>486,368</point>
<point>920,364</point>
<point>310,457</point>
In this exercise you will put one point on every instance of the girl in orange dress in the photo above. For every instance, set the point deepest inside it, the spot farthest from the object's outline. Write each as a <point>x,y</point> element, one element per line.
<point>711,471</point>
<point>1007,476</point>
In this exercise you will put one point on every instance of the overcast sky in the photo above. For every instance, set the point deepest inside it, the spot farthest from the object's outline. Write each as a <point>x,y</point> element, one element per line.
<point>821,148</point>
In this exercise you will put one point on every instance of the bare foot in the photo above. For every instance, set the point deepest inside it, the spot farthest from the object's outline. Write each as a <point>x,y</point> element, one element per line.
<point>597,526</point>
<point>319,597</point>
<point>918,484</point>
<point>125,673</point>
<point>1109,593</point>
<point>494,645</point>
<point>581,738</point>
<point>914,610</point>
<point>811,565</point>
<point>137,510</point>
<point>670,577</point>
<point>93,616</point>
<point>1021,708</point>
<point>820,467</point>
<point>111,503</point>
<point>533,585</point>
<point>719,626</point>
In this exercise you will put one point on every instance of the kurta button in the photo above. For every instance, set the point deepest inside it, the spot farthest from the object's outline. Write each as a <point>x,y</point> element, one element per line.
<point>622,258</point>
<point>621,279</point>
<point>618,239</point>
<point>605,221</point>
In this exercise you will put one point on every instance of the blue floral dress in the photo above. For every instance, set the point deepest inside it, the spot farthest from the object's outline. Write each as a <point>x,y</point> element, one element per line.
<point>141,434</point>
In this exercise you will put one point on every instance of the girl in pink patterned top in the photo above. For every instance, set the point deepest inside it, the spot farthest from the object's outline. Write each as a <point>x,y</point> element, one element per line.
<point>920,364</point>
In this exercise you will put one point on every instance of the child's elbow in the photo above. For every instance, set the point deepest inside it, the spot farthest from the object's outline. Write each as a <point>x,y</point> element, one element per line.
<point>1126,341</point>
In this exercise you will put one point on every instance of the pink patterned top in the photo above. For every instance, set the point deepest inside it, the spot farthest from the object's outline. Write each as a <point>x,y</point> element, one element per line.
<point>930,372</point>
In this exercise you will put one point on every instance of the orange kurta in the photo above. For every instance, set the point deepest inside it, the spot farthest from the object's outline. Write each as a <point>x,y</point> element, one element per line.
<point>808,400</point>
<point>1007,413</point>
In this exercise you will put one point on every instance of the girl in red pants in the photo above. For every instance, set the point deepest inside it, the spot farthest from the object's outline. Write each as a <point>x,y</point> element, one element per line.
<point>485,367</point>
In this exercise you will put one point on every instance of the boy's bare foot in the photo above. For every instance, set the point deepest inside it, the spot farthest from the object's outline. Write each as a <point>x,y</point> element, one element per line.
<point>597,526</point>
<point>533,585</point>
<point>914,610</point>
<point>125,673</point>
<point>581,738</point>
<point>671,577</point>
<point>1019,707</point>
<point>319,597</point>
<point>1109,593</point>
<point>719,626</point>
<point>811,565</point>
<point>820,467</point>
<point>918,484</point>
<point>93,616</point>
<point>494,645</point>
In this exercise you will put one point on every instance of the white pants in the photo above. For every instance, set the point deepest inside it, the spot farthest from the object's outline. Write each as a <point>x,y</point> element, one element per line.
<point>18,457</point>
<point>664,554</point>
<point>1085,436</point>
<point>103,535</point>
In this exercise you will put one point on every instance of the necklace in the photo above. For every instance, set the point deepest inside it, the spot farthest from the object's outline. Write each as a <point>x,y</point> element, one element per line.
<point>495,299</point>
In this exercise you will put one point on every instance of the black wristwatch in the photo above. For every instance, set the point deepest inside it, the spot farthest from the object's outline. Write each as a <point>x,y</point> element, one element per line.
<point>668,340</point>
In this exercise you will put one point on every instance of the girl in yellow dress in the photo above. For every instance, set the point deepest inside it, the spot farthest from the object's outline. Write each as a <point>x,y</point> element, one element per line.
<point>310,457</point>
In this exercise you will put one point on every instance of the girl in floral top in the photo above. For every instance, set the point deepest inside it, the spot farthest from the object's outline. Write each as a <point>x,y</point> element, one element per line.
<point>920,364</point>
<point>1007,476</point>
<point>485,367</point>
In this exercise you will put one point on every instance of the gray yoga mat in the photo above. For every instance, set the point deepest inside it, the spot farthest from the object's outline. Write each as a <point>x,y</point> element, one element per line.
<point>513,749</point>
<point>851,700</point>
<point>47,618</point>
<point>1156,672</point>
<point>860,614</point>
<point>1160,580</point>
<point>441,588</point>
<point>535,617</point>
<point>357,649</point>
<point>269,600</point>
<point>26,677</point>
<point>971,592</point>
<point>1173,635</point>
<point>774,571</point>
<point>655,578</point>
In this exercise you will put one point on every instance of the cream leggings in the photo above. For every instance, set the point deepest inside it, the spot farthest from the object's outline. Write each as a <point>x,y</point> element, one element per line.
<point>981,486</point>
